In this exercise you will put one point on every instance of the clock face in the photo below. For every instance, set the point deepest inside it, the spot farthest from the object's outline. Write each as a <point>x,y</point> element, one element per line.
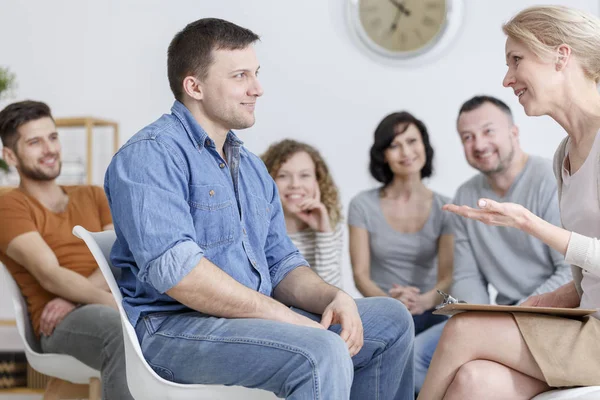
<point>402,26</point>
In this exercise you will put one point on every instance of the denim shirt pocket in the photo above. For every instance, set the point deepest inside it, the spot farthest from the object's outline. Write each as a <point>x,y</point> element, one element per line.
<point>212,212</point>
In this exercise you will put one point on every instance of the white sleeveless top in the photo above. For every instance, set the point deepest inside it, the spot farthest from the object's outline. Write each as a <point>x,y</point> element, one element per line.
<point>580,212</point>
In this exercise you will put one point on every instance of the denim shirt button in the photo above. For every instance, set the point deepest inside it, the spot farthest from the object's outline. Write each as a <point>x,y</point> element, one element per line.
<point>207,142</point>
<point>211,193</point>
<point>222,165</point>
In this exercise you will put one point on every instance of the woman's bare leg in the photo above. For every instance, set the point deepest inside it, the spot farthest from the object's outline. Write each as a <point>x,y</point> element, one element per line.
<point>477,336</point>
<point>489,380</point>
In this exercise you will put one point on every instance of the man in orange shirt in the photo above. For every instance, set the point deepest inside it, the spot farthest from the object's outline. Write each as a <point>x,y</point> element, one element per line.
<point>69,303</point>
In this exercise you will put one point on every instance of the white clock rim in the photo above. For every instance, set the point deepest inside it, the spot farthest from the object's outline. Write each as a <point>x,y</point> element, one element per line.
<point>450,28</point>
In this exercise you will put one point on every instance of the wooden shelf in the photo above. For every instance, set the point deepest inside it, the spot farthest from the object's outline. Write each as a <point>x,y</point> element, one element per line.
<point>8,322</point>
<point>89,123</point>
<point>83,121</point>
<point>21,390</point>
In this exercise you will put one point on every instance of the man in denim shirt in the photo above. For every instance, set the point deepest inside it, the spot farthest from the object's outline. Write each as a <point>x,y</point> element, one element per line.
<point>209,274</point>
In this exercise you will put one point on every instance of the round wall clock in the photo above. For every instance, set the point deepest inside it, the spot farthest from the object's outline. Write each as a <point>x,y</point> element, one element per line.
<point>405,30</point>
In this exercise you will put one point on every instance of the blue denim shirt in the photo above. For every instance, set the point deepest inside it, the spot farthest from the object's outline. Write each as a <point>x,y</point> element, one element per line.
<point>175,200</point>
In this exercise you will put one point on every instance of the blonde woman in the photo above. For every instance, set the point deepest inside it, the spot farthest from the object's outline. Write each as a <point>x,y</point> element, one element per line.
<point>553,60</point>
<point>310,203</point>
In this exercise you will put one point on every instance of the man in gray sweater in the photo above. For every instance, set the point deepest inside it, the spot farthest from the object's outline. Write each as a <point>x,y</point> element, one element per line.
<point>515,264</point>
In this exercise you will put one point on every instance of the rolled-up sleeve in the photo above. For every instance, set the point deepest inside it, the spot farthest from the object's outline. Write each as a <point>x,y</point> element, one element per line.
<point>148,201</point>
<point>282,255</point>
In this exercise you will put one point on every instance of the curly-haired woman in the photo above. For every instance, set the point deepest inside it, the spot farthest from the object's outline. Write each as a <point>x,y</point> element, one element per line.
<point>398,231</point>
<point>310,203</point>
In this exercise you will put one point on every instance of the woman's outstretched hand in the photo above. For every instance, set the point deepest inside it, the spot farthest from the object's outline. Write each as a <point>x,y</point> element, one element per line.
<point>491,212</point>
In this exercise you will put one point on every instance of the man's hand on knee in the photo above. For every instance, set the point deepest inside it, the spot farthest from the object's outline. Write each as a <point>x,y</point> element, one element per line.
<point>342,310</point>
<point>54,312</point>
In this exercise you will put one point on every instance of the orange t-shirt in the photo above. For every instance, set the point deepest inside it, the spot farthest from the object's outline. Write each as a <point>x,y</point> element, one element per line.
<point>21,213</point>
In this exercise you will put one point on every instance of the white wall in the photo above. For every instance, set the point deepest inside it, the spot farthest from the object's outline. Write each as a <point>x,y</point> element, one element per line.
<point>108,59</point>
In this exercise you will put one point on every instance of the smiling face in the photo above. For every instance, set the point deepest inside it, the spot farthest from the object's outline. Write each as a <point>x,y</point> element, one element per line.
<point>489,138</point>
<point>296,181</point>
<point>535,81</point>
<point>406,153</point>
<point>231,88</point>
<point>38,151</point>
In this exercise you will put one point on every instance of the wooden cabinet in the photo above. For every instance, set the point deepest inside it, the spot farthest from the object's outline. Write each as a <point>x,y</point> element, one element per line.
<point>89,123</point>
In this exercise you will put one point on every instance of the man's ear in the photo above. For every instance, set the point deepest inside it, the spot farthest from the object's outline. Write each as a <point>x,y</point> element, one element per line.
<point>563,55</point>
<point>193,87</point>
<point>9,156</point>
<point>515,132</point>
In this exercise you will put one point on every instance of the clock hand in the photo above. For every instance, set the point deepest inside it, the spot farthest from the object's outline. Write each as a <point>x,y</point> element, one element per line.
<point>394,25</point>
<point>400,6</point>
<point>404,9</point>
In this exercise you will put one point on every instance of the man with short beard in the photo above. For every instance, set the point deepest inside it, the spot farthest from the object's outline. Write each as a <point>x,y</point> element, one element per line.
<point>71,308</point>
<point>515,264</point>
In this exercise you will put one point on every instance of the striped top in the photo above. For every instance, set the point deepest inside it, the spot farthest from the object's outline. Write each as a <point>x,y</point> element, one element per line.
<point>323,251</point>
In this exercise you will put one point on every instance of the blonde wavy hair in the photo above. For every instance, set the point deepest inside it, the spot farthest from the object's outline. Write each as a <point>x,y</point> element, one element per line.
<point>542,29</point>
<point>278,153</point>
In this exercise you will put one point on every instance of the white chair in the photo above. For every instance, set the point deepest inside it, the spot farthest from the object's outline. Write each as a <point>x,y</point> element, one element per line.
<point>143,382</point>
<point>580,393</point>
<point>70,377</point>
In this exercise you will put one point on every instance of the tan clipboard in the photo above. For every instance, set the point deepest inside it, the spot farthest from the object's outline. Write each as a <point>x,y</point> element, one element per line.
<point>455,308</point>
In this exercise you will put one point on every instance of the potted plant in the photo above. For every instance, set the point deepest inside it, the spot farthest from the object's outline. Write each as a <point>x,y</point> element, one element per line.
<point>7,83</point>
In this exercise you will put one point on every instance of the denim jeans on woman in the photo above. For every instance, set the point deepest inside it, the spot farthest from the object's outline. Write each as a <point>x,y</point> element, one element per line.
<point>425,345</point>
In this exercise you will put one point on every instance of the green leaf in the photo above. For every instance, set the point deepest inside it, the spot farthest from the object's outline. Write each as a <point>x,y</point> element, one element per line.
<point>7,80</point>
<point>3,165</point>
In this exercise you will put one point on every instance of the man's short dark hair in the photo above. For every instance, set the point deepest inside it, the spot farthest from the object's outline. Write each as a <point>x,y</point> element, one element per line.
<point>190,51</point>
<point>385,134</point>
<point>13,116</point>
<point>477,101</point>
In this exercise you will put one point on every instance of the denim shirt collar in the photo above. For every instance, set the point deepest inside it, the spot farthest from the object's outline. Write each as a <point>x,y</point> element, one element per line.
<point>196,132</point>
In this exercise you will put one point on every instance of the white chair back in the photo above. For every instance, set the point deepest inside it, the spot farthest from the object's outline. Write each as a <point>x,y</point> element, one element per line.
<point>143,382</point>
<point>24,326</point>
<point>60,366</point>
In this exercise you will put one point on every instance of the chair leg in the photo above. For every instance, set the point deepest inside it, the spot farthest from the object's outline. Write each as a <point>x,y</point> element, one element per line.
<point>95,389</point>
<point>57,389</point>
<point>53,389</point>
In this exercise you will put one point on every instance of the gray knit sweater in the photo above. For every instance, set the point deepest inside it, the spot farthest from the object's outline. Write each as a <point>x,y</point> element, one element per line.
<point>582,252</point>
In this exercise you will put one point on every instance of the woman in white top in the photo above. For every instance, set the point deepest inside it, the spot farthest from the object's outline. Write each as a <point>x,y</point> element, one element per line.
<point>553,58</point>
<point>311,205</point>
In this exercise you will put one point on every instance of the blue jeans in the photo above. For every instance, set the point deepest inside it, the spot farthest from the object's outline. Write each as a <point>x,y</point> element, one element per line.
<point>425,345</point>
<point>295,362</point>
<point>427,320</point>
